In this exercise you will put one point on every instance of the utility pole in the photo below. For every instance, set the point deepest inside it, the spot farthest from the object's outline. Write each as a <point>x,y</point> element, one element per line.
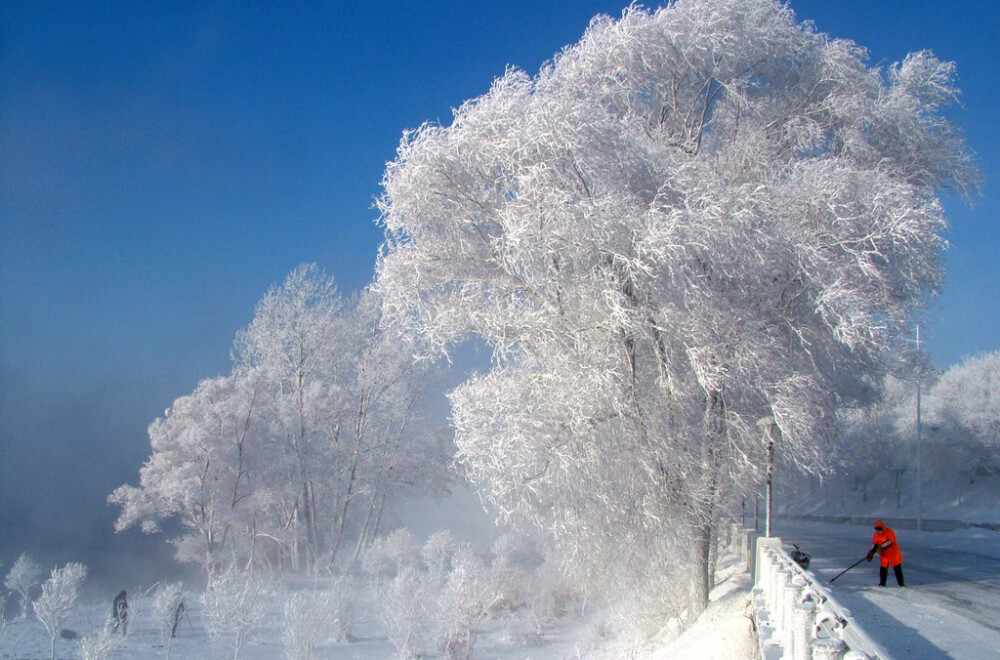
<point>920,500</point>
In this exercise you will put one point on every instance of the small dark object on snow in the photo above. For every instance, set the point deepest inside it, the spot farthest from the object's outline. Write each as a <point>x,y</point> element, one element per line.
<point>800,558</point>
<point>120,612</point>
<point>66,633</point>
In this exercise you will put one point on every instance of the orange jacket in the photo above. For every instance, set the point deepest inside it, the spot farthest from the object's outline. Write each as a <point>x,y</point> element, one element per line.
<point>884,542</point>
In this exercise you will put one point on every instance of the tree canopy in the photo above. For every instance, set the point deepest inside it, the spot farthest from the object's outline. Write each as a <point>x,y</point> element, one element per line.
<point>320,425</point>
<point>694,218</point>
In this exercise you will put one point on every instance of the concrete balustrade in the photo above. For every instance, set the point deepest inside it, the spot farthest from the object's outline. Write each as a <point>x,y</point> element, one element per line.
<point>795,616</point>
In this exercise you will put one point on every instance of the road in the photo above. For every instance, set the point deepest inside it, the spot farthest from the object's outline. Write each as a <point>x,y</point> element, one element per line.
<point>950,607</point>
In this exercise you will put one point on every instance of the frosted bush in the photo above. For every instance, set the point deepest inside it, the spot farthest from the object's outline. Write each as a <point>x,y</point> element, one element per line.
<point>436,553</point>
<point>338,604</point>
<point>394,551</point>
<point>60,594</point>
<point>439,593</point>
<point>100,645</point>
<point>465,600</point>
<point>403,610</point>
<point>401,547</point>
<point>462,603</point>
<point>508,579</point>
<point>234,607</point>
<point>166,606</point>
<point>309,618</point>
<point>3,617</point>
<point>388,556</point>
<point>304,625</point>
<point>24,576</point>
<point>547,596</point>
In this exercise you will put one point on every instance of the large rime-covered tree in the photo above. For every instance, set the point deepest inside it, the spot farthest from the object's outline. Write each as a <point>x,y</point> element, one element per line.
<point>692,219</point>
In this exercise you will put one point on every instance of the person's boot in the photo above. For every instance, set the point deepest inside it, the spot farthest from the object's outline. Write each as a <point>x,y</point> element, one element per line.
<point>899,574</point>
<point>883,573</point>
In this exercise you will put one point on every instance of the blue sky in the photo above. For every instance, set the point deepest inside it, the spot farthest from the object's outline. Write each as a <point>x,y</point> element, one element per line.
<point>163,163</point>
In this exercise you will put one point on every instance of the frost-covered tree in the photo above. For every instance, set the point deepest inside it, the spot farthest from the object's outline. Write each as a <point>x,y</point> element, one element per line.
<point>387,447</point>
<point>199,472</point>
<point>319,426</point>
<point>347,401</point>
<point>964,407</point>
<point>59,597</point>
<point>872,442</point>
<point>694,218</point>
<point>23,576</point>
<point>291,341</point>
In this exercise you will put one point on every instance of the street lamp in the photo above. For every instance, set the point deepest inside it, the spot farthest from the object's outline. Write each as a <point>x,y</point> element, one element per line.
<point>920,499</point>
<point>768,427</point>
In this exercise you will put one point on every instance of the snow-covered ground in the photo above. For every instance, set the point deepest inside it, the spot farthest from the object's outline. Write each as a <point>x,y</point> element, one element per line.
<point>722,633</point>
<point>504,638</point>
<point>947,610</point>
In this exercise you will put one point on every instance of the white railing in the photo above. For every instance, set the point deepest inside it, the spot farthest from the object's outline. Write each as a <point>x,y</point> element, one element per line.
<point>795,616</point>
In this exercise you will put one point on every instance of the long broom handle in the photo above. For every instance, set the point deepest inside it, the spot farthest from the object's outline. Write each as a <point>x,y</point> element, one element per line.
<point>847,569</point>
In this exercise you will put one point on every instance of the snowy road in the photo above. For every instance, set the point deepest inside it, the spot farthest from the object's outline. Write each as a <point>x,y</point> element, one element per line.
<point>950,607</point>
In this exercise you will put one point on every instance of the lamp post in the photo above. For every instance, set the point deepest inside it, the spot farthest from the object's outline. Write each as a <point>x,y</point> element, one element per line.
<point>920,499</point>
<point>768,427</point>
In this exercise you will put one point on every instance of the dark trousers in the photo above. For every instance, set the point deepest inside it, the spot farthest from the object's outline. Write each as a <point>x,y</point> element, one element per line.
<point>883,573</point>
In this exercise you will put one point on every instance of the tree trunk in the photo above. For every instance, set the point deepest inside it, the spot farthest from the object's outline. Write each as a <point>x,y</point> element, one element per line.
<point>706,501</point>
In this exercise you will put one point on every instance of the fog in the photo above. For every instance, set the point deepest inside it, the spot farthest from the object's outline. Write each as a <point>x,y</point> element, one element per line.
<point>66,441</point>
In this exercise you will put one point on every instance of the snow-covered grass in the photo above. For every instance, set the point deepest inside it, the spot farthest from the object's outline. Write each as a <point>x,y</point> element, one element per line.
<point>571,630</point>
<point>507,636</point>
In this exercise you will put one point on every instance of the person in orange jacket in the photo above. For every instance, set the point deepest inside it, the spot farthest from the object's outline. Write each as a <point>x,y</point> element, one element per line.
<point>884,543</point>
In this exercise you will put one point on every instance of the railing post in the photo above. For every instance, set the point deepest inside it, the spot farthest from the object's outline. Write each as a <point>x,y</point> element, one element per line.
<point>762,544</point>
<point>803,620</point>
<point>828,648</point>
<point>793,592</point>
<point>750,542</point>
<point>786,596</point>
<point>772,586</point>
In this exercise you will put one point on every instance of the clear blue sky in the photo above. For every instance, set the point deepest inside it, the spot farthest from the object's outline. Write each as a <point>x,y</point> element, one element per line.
<point>163,163</point>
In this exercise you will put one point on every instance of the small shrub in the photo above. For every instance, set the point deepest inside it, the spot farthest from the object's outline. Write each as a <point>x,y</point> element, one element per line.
<point>100,645</point>
<point>60,594</point>
<point>166,606</point>
<point>234,607</point>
